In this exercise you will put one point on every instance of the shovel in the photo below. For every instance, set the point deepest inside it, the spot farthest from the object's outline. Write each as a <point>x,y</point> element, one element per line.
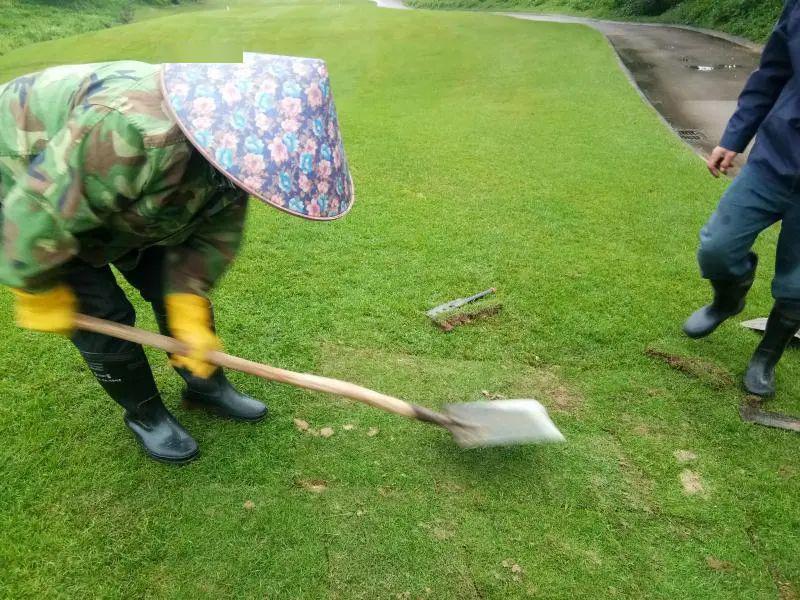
<point>474,424</point>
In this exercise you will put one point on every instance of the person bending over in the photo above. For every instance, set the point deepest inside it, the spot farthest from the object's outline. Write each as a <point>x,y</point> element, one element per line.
<point>148,168</point>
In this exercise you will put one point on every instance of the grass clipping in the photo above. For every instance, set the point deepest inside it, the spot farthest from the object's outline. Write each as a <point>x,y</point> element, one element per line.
<point>475,311</point>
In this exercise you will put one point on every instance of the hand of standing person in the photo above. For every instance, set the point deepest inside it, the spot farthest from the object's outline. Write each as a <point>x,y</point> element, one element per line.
<point>720,160</point>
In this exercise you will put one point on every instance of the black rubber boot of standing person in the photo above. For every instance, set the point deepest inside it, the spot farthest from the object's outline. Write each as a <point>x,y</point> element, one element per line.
<point>127,378</point>
<point>782,325</point>
<point>216,394</point>
<point>729,300</point>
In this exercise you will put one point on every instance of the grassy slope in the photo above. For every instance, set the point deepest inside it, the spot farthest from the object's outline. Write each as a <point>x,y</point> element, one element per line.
<point>754,20</point>
<point>29,21</point>
<point>483,155</point>
<point>24,23</point>
<point>749,19</point>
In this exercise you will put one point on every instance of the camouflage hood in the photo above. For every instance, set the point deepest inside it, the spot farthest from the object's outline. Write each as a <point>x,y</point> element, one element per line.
<point>269,124</point>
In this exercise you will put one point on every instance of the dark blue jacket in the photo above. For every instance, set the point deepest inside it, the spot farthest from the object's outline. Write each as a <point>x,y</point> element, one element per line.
<point>770,103</point>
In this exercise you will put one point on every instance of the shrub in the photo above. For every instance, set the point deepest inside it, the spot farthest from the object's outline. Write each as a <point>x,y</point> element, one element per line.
<point>127,13</point>
<point>648,8</point>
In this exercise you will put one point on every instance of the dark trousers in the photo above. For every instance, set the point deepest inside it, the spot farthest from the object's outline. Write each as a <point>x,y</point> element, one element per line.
<point>753,202</point>
<point>99,295</point>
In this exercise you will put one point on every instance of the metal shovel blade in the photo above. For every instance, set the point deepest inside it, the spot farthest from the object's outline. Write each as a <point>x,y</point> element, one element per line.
<point>752,413</point>
<point>760,325</point>
<point>502,423</point>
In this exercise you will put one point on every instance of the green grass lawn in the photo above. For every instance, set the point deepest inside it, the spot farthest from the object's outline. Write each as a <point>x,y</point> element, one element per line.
<point>486,152</point>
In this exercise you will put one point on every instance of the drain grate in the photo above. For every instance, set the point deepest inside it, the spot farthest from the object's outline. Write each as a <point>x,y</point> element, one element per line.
<point>692,135</point>
<point>727,67</point>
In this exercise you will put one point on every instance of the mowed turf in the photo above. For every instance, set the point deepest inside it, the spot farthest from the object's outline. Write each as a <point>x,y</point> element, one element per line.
<point>486,152</point>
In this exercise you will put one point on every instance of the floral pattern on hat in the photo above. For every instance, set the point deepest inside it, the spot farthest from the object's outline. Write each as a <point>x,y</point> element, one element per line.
<point>270,125</point>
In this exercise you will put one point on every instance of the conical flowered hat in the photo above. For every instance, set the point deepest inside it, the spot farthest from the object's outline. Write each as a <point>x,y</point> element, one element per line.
<point>268,124</point>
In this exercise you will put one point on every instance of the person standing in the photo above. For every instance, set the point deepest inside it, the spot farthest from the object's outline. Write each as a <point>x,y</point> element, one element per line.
<point>766,191</point>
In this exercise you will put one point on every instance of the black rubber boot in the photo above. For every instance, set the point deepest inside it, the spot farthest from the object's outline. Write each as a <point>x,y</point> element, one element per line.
<point>782,325</point>
<point>127,378</point>
<point>729,300</point>
<point>216,394</point>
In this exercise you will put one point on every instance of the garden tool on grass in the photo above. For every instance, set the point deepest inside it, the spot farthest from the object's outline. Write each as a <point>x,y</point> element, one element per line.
<point>751,412</point>
<point>473,424</point>
<point>779,330</point>
<point>759,325</point>
<point>449,315</point>
<point>458,303</point>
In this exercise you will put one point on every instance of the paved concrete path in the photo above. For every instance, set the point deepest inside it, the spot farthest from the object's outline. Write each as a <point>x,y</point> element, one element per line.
<point>691,76</point>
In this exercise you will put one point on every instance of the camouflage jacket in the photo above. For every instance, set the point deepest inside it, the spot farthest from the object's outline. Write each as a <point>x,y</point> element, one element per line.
<point>93,167</point>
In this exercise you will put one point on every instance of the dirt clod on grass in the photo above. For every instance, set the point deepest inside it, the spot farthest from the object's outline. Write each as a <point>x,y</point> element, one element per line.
<point>450,487</point>
<point>684,456</point>
<point>715,564</point>
<point>449,322</point>
<point>706,371</point>
<point>249,505</point>
<point>787,591</point>
<point>438,530</point>
<point>692,483</point>
<point>386,491</point>
<point>315,486</point>
<point>305,427</point>
<point>547,385</point>
<point>513,567</point>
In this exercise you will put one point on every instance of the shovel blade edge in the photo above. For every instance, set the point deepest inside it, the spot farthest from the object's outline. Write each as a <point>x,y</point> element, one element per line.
<point>503,423</point>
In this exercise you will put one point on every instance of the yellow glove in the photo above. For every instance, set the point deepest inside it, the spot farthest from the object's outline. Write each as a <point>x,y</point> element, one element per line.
<point>189,320</point>
<point>52,311</point>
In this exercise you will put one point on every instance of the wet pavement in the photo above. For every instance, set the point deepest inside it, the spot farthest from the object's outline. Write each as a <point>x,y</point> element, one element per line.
<point>691,77</point>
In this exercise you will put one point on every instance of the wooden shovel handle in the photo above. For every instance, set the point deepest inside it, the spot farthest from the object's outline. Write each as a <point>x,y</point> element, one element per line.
<point>302,380</point>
